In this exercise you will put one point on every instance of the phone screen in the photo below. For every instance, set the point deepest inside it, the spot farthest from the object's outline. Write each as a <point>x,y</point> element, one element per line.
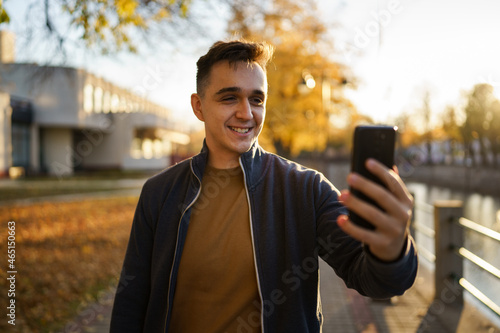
<point>376,142</point>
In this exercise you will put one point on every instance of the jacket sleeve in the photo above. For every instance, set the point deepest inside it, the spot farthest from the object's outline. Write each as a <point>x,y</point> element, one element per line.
<point>132,294</point>
<point>353,262</point>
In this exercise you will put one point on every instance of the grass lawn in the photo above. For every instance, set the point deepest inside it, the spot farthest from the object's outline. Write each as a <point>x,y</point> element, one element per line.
<point>35,192</point>
<point>65,253</point>
<point>35,187</point>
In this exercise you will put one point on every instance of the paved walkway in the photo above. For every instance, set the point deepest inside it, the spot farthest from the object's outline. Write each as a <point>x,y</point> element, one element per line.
<point>344,311</point>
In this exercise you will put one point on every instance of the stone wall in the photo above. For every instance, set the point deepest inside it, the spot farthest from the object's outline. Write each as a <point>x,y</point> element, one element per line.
<point>479,180</point>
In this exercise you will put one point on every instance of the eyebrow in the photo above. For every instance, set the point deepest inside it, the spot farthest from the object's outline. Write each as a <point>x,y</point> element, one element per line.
<point>228,89</point>
<point>238,89</point>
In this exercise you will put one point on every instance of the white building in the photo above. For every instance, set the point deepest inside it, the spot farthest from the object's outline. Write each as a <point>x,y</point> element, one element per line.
<point>57,120</point>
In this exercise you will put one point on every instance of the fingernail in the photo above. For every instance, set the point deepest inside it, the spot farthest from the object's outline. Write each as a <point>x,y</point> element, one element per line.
<point>342,220</point>
<point>370,162</point>
<point>352,178</point>
<point>344,195</point>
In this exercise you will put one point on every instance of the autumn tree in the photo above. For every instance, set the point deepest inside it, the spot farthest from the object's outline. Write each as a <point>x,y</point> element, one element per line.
<point>450,126</point>
<point>103,26</point>
<point>426,127</point>
<point>305,96</point>
<point>482,113</point>
<point>493,131</point>
<point>408,135</point>
<point>4,16</point>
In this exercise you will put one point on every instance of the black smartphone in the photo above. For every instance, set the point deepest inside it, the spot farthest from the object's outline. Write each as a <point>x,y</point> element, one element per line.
<point>377,142</point>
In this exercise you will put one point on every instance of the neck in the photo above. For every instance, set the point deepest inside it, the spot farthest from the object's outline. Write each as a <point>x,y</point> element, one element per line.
<point>219,162</point>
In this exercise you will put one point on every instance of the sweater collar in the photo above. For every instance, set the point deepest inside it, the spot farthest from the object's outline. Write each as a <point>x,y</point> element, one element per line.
<point>251,161</point>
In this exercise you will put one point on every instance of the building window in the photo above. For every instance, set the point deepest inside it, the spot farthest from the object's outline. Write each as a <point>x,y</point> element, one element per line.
<point>21,137</point>
<point>88,102</point>
<point>136,150</point>
<point>149,143</point>
<point>98,100</point>
<point>123,105</point>
<point>158,148</point>
<point>106,102</point>
<point>147,149</point>
<point>115,103</point>
<point>134,107</point>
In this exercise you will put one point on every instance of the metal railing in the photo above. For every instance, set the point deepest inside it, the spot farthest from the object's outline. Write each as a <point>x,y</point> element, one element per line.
<point>448,234</point>
<point>478,261</point>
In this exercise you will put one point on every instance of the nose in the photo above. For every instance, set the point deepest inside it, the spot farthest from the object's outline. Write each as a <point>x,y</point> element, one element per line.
<point>244,110</point>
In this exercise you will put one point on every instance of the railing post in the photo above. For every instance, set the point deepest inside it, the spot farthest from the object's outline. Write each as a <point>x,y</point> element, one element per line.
<point>449,266</point>
<point>413,232</point>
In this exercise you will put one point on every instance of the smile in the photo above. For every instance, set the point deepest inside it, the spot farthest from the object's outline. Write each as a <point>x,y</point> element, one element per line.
<point>240,130</point>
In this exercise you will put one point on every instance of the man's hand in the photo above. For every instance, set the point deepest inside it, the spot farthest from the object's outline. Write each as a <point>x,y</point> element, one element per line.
<point>391,227</point>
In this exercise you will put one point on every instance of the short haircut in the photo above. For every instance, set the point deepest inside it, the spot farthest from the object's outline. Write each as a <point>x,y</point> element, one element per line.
<point>233,52</point>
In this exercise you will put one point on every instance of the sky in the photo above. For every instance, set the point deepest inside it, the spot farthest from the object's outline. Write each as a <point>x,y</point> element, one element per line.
<point>396,49</point>
<point>411,46</point>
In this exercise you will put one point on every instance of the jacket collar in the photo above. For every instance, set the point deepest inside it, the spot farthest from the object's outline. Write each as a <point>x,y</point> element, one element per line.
<point>199,162</point>
<point>252,162</point>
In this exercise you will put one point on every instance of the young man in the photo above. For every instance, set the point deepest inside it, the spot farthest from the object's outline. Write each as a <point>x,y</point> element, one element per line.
<point>229,240</point>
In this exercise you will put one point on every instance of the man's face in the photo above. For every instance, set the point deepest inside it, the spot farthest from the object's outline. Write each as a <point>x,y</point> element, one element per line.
<point>233,108</point>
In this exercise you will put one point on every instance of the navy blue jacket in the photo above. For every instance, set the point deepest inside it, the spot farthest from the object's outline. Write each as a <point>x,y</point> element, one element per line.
<point>293,213</point>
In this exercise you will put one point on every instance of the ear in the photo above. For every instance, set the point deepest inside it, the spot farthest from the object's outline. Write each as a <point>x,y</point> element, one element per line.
<point>196,105</point>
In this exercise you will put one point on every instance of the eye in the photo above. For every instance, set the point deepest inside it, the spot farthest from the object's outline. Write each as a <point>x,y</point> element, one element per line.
<point>257,100</point>
<point>228,98</point>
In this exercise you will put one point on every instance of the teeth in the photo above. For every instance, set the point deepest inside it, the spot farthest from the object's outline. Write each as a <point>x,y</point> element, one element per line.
<point>240,130</point>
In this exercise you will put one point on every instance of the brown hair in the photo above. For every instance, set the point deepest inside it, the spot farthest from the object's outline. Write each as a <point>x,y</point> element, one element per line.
<point>234,51</point>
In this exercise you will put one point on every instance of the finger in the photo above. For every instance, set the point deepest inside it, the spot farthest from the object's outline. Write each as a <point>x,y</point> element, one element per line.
<point>361,234</point>
<point>384,248</point>
<point>395,168</point>
<point>386,200</point>
<point>390,178</point>
<point>365,210</point>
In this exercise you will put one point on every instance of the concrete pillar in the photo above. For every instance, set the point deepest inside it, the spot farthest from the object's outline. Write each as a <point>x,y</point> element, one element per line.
<point>5,134</point>
<point>449,266</point>
<point>35,148</point>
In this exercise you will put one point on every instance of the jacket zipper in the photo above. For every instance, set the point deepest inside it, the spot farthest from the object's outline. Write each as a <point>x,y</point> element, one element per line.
<point>253,247</point>
<point>177,244</point>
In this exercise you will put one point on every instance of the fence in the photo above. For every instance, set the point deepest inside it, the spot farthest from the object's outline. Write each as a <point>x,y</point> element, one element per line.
<point>449,251</point>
